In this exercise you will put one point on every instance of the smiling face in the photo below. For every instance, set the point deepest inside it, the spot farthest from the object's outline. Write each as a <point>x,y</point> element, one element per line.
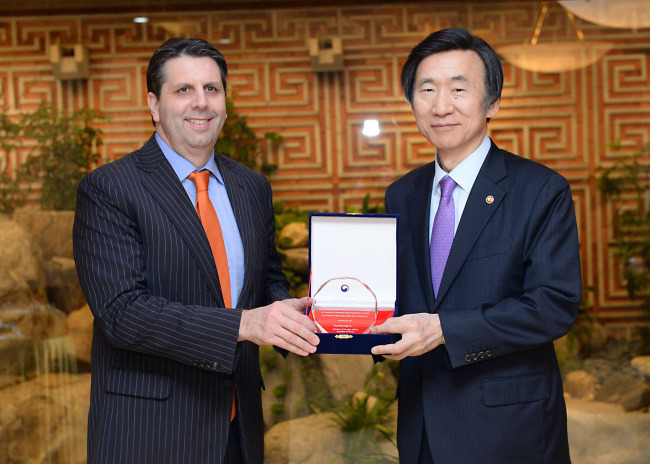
<point>448,104</point>
<point>191,109</point>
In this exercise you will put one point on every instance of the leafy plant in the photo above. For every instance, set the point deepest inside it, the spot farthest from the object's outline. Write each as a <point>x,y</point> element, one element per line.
<point>379,208</point>
<point>66,149</point>
<point>10,196</point>
<point>628,184</point>
<point>238,141</point>
<point>365,419</point>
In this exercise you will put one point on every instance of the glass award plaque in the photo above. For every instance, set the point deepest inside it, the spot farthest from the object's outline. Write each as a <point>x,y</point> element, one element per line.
<point>353,262</point>
<point>344,305</point>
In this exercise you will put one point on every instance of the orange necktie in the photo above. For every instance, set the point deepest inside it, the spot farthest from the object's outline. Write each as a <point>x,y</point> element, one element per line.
<point>210,221</point>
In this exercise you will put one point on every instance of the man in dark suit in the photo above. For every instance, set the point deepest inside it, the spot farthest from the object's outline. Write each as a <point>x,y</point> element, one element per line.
<point>170,356</point>
<point>489,275</point>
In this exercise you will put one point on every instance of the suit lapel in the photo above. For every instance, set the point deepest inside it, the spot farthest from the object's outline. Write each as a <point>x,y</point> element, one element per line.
<point>418,204</point>
<point>161,182</point>
<point>239,200</point>
<point>476,215</point>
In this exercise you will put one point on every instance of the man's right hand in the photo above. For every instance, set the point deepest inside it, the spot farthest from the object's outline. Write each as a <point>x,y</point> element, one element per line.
<point>283,324</point>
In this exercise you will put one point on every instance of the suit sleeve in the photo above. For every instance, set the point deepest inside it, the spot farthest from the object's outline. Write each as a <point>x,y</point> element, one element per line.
<point>545,306</point>
<point>109,250</point>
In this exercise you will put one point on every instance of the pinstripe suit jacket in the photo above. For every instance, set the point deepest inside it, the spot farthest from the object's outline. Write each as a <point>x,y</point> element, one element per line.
<point>492,394</point>
<point>165,351</point>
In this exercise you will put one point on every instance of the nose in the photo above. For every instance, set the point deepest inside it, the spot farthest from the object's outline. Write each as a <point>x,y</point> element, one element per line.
<point>200,100</point>
<point>442,104</point>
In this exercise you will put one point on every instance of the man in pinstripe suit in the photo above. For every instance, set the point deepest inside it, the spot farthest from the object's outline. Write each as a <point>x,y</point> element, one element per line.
<point>166,353</point>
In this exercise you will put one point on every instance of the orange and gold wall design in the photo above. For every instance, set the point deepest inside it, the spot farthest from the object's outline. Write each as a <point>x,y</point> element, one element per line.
<point>562,119</point>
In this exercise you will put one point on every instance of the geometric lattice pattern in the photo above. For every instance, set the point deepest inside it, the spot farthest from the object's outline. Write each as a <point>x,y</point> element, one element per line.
<point>564,120</point>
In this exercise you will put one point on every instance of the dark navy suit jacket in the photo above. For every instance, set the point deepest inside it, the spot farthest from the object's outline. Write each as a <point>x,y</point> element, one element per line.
<point>511,286</point>
<point>165,351</point>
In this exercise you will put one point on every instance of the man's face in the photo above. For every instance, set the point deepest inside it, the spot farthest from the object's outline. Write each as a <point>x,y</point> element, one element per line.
<point>192,107</point>
<point>448,103</point>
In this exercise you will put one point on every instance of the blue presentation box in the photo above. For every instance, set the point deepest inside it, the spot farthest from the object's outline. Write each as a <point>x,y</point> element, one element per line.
<point>353,262</point>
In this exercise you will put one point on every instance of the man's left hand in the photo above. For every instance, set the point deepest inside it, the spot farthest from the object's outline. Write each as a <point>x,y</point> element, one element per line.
<point>421,333</point>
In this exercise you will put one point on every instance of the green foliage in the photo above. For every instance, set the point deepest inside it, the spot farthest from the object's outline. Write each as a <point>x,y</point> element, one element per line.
<point>238,141</point>
<point>65,150</point>
<point>286,215</point>
<point>627,184</point>
<point>365,419</point>
<point>10,195</point>
<point>366,208</point>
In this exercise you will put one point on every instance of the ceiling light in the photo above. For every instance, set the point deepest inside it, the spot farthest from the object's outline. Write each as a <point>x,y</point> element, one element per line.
<point>626,14</point>
<point>371,128</point>
<point>141,19</point>
<point>555,57</point>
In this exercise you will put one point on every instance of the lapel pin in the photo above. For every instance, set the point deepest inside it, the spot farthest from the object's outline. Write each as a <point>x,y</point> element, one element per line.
<point>489,199</point>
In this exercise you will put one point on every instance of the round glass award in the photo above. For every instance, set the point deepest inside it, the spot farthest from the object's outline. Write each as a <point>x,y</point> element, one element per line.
<point>344,305</point>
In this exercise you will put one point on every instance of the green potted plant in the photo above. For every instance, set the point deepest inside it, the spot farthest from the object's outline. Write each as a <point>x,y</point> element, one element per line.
<point>631,227</point>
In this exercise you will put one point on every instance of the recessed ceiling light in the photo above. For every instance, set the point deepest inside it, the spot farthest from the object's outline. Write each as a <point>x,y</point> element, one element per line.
<point>141,19</point>
<point>224,41</point>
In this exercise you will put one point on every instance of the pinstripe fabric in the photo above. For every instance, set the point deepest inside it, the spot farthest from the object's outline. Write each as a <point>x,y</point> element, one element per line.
<point>165,351</point>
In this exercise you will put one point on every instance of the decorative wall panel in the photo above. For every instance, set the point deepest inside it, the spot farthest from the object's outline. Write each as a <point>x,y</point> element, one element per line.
<point>564,120</point>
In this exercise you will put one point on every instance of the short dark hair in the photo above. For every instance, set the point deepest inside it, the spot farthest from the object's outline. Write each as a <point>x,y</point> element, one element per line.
<point>455,39</point>
<point>174,48</point>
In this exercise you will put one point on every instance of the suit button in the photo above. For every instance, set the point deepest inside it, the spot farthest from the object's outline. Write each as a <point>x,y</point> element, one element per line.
<point>215,365</point>
<point>474,356</point>
<point>488,353</point>
<point>481,355</point>
<point>468,358</point>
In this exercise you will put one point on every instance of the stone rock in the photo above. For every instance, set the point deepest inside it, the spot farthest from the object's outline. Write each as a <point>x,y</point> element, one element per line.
<point>636,398</point>
<point>297,259</point>
<point>22,281</point>
<point>590,336</point>
<point>80,334</point>
<point>63,287</point>
<point>314,439</point>
<point>51,230</point>
<point>345,374</point>
<point>284,395</point>
<point>580,384</point>
<point>623,389</point>
<point>642,365</point>
<point>45,420</point>
<point>34,322</point>
<point>294,235</point>
<point>602,433</point>
<point>32,342</point>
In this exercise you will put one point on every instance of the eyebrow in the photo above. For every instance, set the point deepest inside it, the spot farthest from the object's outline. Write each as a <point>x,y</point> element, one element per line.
<point>207,84</point>
<point>457,78</point>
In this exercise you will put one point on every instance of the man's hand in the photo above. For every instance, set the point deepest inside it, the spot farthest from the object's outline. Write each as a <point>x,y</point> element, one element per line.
<point>282,324</point>
<point>421,333</point>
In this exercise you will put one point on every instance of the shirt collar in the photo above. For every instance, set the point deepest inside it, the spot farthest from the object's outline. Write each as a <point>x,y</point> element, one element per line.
<point>466,172</point>
<point>182,167</point>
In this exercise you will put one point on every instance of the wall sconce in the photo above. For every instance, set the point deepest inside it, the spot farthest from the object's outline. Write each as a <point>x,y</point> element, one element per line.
<point>69,62</point>
<point>554,56</point>
<point>626,14</point>
<point>326,54</point>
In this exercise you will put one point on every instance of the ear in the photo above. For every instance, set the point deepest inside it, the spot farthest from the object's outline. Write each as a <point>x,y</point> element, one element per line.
<point>153,106</point>
<point>493,109</point>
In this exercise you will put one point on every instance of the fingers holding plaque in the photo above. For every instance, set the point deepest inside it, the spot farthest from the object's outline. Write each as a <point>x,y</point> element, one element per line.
<point>353,279</point>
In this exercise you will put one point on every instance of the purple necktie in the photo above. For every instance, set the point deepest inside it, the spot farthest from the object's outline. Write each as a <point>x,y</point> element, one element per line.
<point>442,233</point>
